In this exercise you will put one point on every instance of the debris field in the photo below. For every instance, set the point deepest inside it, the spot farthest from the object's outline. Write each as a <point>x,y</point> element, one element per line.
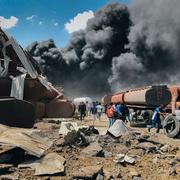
<point>74,150</point>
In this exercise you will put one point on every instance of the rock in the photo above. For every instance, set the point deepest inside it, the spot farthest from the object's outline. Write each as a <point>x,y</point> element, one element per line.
<point>107,154</point>
<point>50,164</point>
<point>133,173</point>
<point>87,172</point>
<point>100,177</point>
<point>68,127</point>
<point>122,158</point>
<point>172,171</point>
<point>136,178</point>
<point>118,128</point>
<point>147,147</point>
<point>75,138</point>
<point>93,149</point>
<point>165,148</point>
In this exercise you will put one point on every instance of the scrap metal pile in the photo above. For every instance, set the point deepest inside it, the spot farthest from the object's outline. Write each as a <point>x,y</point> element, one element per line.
<point>25,94</point>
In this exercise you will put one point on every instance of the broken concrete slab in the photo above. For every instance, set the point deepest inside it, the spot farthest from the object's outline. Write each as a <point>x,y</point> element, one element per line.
<point>26,139</point>
<point>68,127</point>
<point>118,129</point>
<point>52,163</point>
<point>123,159</point>
<point>94,149</point>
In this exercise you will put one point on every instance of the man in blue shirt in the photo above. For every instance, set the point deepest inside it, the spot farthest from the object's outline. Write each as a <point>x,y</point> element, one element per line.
<point>156,120</point>
<point>117,111</point>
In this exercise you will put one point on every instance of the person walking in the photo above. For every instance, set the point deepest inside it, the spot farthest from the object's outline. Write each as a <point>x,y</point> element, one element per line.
<point>88,108</point>
<point>110,115</point>
<point>117,111</point>
<point>155,120</point>
<point>99,110</point>
<point>94,111</point>
<point>82,110</point>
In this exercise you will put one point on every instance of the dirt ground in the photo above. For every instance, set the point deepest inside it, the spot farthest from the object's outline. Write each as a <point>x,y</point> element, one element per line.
<point>162,164</point>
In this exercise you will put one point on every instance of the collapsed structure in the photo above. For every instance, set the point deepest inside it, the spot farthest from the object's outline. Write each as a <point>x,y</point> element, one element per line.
<point>25,94</point>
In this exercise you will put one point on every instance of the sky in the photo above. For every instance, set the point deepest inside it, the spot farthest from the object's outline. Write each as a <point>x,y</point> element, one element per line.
<point>36,20</point>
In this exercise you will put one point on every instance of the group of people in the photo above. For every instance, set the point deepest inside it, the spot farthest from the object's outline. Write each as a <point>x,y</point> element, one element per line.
<point>86,109</point>
<point>117,111</point>
<point>114,112</point>
<point>121,111</point>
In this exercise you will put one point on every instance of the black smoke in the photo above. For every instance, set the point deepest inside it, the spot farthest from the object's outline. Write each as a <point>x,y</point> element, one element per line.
<point>122,47</point>
<point>154,42</point>
<point>84,65</point>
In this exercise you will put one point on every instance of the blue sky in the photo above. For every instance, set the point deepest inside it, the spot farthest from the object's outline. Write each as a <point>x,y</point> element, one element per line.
<point>44,19</point>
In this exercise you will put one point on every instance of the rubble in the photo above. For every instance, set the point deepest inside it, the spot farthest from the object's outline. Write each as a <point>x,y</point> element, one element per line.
<point>26,139</point>
<point>68,127</point>
<point>94,149</point>
<point>52,163</point>
<point>123,159</point>
<point>87,154</point>
<point>118,129</point>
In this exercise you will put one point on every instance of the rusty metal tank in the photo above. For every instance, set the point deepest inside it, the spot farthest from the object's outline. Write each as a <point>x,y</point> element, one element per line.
<point>148,96</point>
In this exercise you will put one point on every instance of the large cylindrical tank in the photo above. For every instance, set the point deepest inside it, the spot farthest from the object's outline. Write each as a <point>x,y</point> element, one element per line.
<point>106,99</point>
<point>149,96</point>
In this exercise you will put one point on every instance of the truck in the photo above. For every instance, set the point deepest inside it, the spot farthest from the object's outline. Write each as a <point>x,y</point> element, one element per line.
<point>142,101</point>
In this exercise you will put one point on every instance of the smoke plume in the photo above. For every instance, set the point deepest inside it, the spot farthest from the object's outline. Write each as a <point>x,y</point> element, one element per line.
<point>122,47</point>
<point>154,44</point>
<point>84,65</point>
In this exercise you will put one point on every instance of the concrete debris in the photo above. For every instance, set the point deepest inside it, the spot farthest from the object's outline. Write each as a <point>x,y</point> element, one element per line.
<point>123,159</point>
<point>94,149</point>
<point>68,127</point>
<point>52,163</point>
<point>87,172</point>
<point>80,138</point>
<point>26,139</point>
<point>165,148</point>
<point>75,138</point>
<point>118,129</point>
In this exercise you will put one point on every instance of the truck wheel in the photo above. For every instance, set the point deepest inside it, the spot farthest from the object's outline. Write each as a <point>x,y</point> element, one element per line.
<point>171,126</point>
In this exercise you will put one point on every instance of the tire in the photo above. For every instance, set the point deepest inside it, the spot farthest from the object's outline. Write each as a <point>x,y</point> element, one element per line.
<point>171,126</point>
<point>138,124</point>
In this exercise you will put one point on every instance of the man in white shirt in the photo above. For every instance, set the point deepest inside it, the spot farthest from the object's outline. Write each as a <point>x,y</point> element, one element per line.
<point>99,110</point>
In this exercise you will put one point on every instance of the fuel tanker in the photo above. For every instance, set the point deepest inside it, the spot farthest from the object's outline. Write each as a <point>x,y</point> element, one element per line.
<point>142,101</point>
